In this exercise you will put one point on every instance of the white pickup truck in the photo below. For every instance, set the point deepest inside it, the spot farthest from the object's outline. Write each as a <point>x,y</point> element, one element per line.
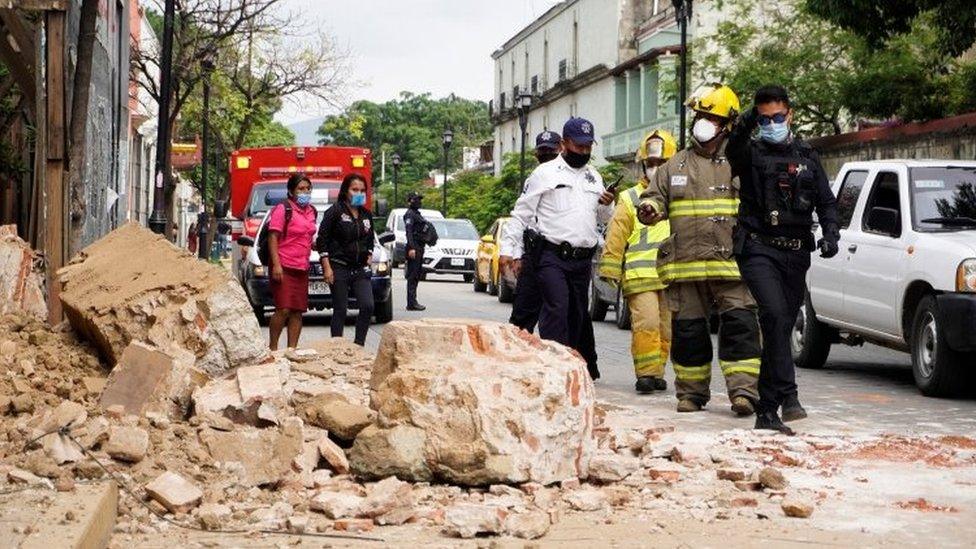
<point>905,276</point>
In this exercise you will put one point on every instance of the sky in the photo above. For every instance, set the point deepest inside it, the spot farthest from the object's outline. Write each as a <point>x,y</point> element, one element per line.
<point>437,46</point>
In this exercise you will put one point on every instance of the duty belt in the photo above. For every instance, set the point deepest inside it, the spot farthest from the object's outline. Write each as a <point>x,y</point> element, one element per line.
<point>567,252</point>
<point>778,242</point>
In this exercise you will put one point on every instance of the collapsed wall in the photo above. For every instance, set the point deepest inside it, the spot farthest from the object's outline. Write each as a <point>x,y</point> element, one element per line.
<point>21,277</point>
<point>133,285</point>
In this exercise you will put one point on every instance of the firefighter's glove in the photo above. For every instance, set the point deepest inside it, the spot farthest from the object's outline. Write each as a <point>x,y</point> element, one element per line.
<point>828,248</point>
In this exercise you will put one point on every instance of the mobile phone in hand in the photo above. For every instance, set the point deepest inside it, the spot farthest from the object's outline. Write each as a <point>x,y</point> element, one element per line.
<point>613,186</point>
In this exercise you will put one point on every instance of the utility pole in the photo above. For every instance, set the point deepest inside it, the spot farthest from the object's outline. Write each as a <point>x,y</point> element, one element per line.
<point>203,219</point>
<point>682,11</point>
<point>447,137</point>
<point>157,222</point>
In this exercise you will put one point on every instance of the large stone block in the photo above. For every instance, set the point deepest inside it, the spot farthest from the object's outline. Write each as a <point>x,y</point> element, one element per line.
<point>147,379</point>
<point>488,403</point>
<point>133,285</point>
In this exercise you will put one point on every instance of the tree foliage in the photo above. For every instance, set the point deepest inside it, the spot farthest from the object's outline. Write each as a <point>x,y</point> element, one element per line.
<point>411,126</point>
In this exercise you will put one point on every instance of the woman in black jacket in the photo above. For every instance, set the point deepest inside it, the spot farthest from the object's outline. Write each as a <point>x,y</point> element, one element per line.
<point>345,242</point>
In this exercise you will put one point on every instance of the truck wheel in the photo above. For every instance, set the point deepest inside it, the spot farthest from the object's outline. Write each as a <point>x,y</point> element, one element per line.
<point>506,294</point>
<point>479,286</point>
<point>937,368</point>
<point>383,312</point>
<point>623,311</point>
<point>810,339</point>
<point>598,307</point>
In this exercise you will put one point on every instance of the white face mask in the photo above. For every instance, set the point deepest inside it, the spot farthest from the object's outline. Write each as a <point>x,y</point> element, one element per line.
<point>704,131</point>
<point>649,172</point>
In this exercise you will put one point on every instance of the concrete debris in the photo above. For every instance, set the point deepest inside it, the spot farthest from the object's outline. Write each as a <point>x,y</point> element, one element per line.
<point>127,443</point>
<point>21,277</point>
<point>174,492</point>
<point>251,395</point>
<point>612,467</point>
<point>586,499</point>
<point>527,525</point>
<point>333,455</point>
<point>467,520</point>
<point>336,505</point>
<point>396,451</point>
<point>385,496</point>
<point>150,380</point>
<point>352,525</point>
<point>213,516</point>
<point>112,296</point>
<point>261,456</point>
<point>334,413</point>
<point>773,479</point>
<point>796,508</point>
<point>494,404</point>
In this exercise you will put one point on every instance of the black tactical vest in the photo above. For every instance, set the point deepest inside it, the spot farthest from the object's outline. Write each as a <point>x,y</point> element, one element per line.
<point>787,179</point>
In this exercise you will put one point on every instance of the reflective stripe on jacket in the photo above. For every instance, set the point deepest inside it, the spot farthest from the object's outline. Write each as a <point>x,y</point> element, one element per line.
<point>701,200</point>
<point>631,248</point>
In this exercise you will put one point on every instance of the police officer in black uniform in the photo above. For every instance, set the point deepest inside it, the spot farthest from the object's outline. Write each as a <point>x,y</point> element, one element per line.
<point>782,185</point>
<point>528,297</point>
<point>414,222</point>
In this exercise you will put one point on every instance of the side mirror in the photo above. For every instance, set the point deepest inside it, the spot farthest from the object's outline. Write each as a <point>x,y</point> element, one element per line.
<point>488,239</point>
<point>382,207</point>
<point>885,220</point>
<point>245,241</point>
<point>386,237</point>
<point>220,209</point>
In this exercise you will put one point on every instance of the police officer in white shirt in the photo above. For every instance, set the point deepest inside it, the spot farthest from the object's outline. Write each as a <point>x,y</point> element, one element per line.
<point>565,200</point>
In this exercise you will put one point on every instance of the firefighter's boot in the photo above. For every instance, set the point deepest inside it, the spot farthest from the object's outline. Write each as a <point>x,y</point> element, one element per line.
<point>742,406</point>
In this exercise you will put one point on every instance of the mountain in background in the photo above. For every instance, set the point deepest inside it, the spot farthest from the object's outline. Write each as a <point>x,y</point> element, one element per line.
<point>305,131</point>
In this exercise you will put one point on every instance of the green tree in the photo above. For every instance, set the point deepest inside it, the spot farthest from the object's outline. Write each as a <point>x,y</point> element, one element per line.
<point>411,126</point>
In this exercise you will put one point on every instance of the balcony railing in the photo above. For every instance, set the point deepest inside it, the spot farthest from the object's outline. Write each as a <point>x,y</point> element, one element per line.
<point>621,145</point>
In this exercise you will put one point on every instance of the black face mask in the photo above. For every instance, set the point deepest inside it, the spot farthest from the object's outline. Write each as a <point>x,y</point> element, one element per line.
<point>575,160</point>
<point>546,157</point>
<point>415,204</point>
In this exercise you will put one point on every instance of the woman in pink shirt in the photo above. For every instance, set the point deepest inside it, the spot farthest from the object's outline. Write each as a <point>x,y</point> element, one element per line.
<point>289,248</point>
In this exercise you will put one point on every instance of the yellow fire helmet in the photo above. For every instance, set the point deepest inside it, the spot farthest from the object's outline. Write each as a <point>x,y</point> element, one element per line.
<point>657,144</point>
<point>715,98</point>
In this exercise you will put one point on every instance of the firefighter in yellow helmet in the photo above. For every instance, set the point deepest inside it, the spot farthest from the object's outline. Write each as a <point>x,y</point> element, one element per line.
<point>696,193</point>
<point>629,260</point>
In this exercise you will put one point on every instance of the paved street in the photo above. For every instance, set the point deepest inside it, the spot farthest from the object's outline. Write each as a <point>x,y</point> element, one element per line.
<point>862,390</point>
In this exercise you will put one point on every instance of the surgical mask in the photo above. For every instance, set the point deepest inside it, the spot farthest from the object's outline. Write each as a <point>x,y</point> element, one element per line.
<point>649,172</point>
<point>575,160</point>
<point>704,131</point>
<point>303,199</point>
<point>357,199</point>
<point>774,133</point>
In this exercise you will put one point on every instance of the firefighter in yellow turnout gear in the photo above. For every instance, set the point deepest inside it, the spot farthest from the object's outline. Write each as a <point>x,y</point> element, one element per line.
<point>696,193</point>
<point>629,259</point>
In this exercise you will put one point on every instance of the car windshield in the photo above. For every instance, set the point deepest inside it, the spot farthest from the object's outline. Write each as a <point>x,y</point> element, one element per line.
<point>266,195</point>
<point>454,229</point>
<point>944,198</point>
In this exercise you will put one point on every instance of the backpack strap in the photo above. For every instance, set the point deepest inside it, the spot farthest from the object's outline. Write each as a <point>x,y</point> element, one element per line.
<point>284,230</point>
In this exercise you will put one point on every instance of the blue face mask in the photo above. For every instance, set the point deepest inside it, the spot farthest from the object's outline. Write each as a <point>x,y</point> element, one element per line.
<point>774,133</point>
<point>358,199</point>
<point>303,199</point>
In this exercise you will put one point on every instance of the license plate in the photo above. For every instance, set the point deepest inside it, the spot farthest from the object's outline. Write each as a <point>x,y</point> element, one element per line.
<point>457,262</point>
<point>318,288</point>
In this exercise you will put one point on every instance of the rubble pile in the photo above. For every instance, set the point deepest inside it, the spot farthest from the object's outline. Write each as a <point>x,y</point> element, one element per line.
<point>134,286</point>
<point>21,277</point>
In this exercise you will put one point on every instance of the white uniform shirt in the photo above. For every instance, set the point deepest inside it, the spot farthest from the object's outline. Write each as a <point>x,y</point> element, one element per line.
<point>563,203</point>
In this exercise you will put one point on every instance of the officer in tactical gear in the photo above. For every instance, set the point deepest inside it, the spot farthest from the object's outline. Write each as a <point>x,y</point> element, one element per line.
<point>696,192</point>
<point>414,222</point>
<point>629,260</point>
<point>782,184</point>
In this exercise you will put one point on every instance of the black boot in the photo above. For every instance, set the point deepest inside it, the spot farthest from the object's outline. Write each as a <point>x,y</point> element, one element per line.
<point>416,307</point>
<point>792,409</point>
<point>770,421</point>
<point>648,384</point>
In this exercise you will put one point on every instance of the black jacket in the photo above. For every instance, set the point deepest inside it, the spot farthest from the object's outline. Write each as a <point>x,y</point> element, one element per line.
<point>413,222</point>
<point>345,239</point>
<point>751,158</point>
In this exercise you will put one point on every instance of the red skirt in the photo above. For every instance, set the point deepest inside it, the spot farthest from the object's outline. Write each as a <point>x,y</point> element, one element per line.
<point>292,292</point>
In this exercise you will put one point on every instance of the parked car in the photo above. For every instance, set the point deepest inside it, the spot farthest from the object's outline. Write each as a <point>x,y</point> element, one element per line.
<point>255,279</point>
<point>905,277</point>
<point>454,253</point>
<point>605,296</point>
<point>394,223</point>
<point>488,276</point>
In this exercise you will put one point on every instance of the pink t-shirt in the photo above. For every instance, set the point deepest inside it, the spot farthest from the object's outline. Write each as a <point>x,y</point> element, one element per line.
<point>295,247</point>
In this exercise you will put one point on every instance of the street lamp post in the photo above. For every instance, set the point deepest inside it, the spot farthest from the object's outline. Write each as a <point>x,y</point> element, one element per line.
<point>682,12</point>
<point>203,219</point>
<point>448,137</point>
<point>396,179</point>
<point>524,102</point>
<point>157,222</point>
